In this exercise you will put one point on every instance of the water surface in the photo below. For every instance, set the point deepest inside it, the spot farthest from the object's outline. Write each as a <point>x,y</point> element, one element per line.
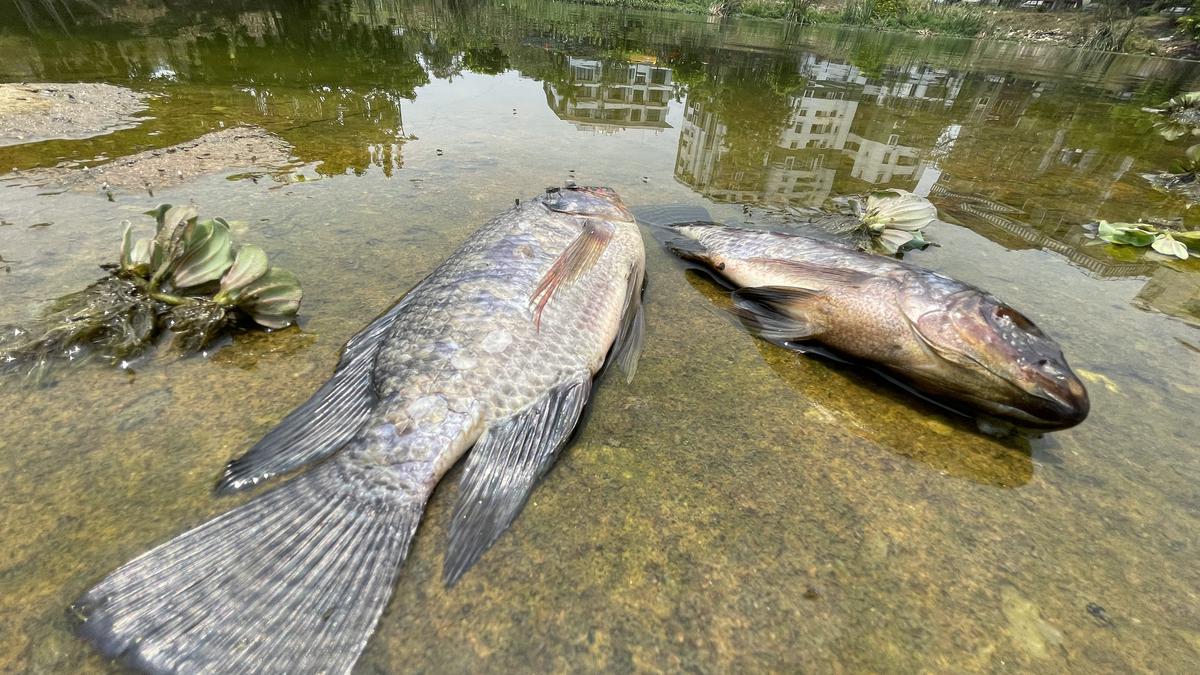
<point>737,507</point>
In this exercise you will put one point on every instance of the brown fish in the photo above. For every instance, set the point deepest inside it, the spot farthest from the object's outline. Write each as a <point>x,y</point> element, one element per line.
<point>944,338</point>
<point>493,353</point>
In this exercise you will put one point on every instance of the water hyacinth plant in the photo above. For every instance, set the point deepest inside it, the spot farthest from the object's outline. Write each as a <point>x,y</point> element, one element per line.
<point>887,221</point>
<point>895,219</point>
<point>188,279</point>
<point>1180,116</point>
<point>1175,244</point>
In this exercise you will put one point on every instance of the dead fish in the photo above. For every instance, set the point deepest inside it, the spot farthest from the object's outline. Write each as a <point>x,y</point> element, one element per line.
<point>494,352</point>
<point>944,338</point>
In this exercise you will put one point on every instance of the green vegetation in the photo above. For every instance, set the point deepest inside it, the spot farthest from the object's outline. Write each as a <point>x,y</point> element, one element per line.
<point>915,15</point>
<point>188,279</point>
<point>1170,243</point>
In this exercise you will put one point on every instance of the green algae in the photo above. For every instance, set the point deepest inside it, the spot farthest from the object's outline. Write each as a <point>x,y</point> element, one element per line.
<point>737,507</point>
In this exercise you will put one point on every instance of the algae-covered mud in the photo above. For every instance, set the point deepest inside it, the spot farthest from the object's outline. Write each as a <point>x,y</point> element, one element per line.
<point>39,111</point>
<point>736,507</point>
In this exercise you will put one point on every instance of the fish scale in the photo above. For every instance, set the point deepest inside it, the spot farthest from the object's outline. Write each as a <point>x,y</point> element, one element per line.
<point>938,336</point>
<point>495,350</point>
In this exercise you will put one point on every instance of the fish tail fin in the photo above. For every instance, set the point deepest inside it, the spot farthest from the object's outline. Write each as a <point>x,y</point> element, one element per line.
<point>677,239</point>
<point>292,581</point>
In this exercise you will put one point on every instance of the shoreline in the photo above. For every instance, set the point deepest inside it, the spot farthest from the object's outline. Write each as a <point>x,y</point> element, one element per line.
<point>1153,35</point>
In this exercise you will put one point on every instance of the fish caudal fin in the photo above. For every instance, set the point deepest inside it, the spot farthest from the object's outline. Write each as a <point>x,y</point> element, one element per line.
<point>676,240</point>
<point>576,259</point>
<point>503,468</point>
<point>775,313</point>
<point>323,423</point>
<point>664,215</point>
<point>291,582</point>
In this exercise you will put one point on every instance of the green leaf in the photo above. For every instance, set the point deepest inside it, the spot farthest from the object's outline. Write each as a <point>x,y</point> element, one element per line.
<point>1125,233</point>
<point>1167,245</point>
<point>1189,99</point>
<point>1171,130</point>
<point>1193,153</point>
<point>158,214</point>
<point>207,254</point>
<point>141,258</point>
<point>126,244</point>
<point>1190,239</point>
<point>273,299</point>
<point>892,240</point>
<point>248,266</point>
<point>170,221</point>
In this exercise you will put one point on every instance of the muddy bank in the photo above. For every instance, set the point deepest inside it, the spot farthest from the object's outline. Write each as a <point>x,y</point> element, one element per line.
<point>240,147</point>
<point>41,111</point>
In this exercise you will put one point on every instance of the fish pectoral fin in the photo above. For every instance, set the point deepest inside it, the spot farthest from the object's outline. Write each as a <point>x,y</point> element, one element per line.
<point>324,422</point>
<point>502,469</point>
<point>823,274</point>
<point>292,581</point>
<point>628,345</point>
<point>576,259</point>
<point>777,313</point>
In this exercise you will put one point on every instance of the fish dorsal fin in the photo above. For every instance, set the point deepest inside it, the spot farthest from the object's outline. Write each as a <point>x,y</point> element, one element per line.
<point>627,347</point>
<point>503,467</point>
<point>777,313</point>
<point>823,274</point>
<point>324,422</point>
<point>576,259</point>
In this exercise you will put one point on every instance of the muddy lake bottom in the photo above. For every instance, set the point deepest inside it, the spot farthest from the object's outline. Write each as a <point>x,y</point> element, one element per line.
<point>737,507</point>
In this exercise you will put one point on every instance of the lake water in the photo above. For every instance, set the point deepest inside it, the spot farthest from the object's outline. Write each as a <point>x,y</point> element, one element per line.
<point>737,507</point>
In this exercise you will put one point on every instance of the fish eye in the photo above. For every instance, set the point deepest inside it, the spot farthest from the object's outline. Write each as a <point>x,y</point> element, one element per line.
<point>1018,319</point>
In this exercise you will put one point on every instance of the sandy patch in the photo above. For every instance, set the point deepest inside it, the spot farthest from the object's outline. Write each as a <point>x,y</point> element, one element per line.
<point>39,111</point>
<point>238,147</point>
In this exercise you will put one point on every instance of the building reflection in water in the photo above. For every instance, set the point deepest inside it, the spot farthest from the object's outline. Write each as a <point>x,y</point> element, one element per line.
<point>839,124</point>
<point>614,94</point>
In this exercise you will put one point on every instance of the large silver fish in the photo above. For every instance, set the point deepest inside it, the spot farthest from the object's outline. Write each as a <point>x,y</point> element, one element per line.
<point>938,335</point>
<point>494,352</point>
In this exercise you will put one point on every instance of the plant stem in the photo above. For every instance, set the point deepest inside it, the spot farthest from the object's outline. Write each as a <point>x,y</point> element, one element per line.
<point>168,298</point>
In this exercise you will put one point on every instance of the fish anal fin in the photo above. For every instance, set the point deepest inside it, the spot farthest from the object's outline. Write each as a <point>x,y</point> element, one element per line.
<point>821,274</point>
<point>323,423</point>
<point>503,468</point>
<point>292,581</point>
<point>778,313</point>
<point>576,259</point>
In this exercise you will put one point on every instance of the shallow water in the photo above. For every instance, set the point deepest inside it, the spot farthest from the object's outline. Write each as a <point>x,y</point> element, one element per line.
<point>737,507</point>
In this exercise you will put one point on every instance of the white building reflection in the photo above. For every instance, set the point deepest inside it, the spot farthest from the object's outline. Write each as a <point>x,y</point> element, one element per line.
<point>606,95</point>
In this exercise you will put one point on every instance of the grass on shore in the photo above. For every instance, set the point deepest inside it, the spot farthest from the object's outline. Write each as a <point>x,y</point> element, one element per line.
<point>914,15</point>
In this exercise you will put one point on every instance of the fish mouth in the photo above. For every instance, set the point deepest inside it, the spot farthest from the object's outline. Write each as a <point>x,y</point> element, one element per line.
<point>587,200</point>
<point>1063,402</point>
<point>1048,406</point>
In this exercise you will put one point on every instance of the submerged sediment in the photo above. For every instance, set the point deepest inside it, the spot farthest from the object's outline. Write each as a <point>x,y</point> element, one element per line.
<point>242,147</point>
<point>41,111</point>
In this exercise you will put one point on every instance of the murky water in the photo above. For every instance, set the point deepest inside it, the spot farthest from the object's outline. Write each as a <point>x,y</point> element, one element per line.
<point>736,508</point>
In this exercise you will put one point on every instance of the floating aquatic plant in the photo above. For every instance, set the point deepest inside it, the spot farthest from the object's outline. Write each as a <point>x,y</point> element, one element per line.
<point>895,219</point>
<point>1166,242</point>
<point>887,221</point>
<point>188,279</point>
<point>1180,116</point>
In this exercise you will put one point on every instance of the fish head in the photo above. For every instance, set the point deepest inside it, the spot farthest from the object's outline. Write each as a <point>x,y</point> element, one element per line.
<point>593,202</point>
<point>1017,372</point>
